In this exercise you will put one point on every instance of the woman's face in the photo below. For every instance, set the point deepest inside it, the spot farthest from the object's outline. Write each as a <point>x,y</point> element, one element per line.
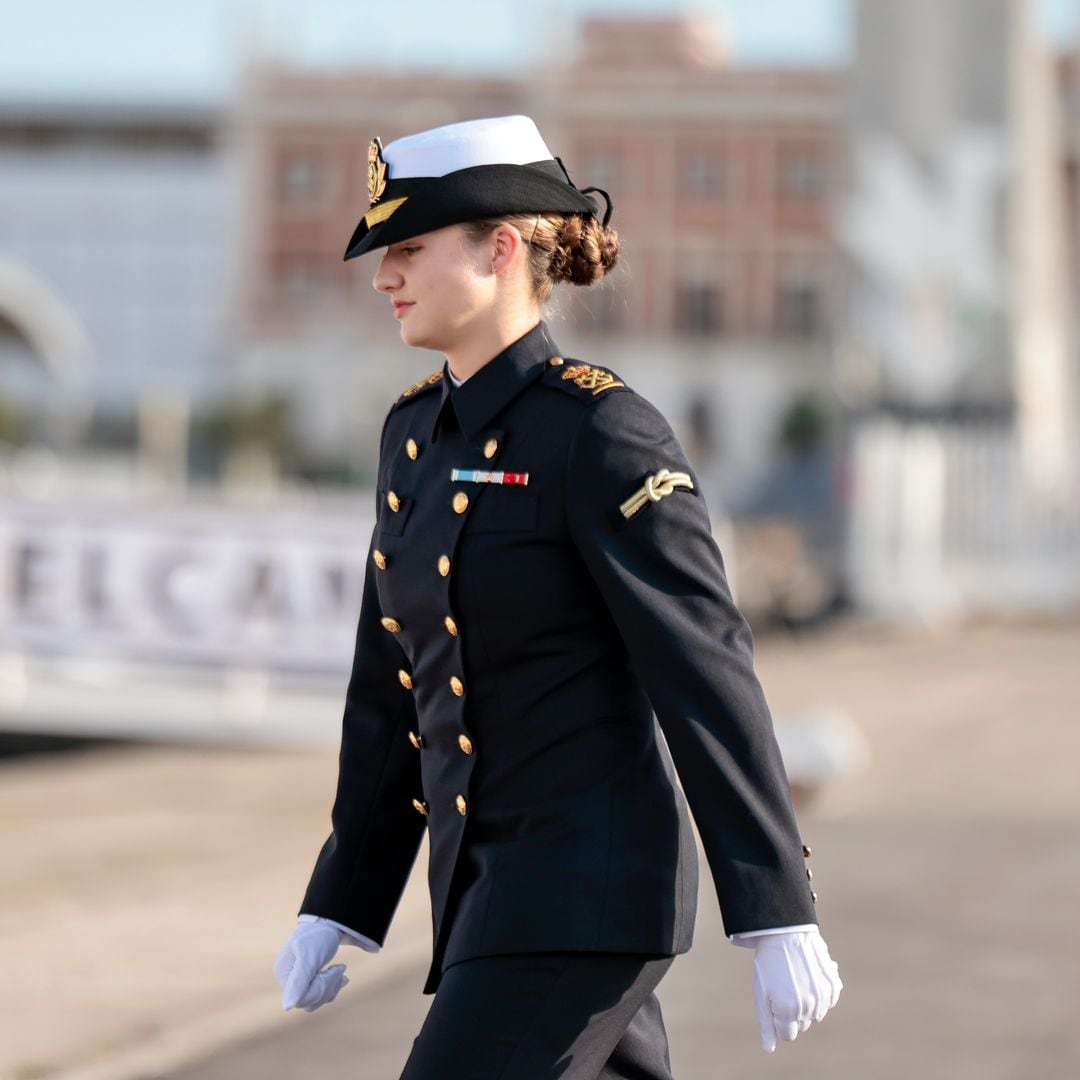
<point>440,284</point>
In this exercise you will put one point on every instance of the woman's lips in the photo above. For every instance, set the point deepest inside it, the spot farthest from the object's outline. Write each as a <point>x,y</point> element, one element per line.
<point>399,308</point>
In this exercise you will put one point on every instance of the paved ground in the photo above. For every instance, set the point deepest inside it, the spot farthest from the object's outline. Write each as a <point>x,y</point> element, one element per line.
<point>146,892</point>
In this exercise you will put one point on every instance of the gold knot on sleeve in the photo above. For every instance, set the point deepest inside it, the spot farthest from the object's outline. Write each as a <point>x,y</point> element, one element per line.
<point>654,489</point>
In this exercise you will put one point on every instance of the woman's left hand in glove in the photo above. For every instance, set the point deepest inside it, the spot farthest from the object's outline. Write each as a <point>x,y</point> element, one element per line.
<point>796,981</point>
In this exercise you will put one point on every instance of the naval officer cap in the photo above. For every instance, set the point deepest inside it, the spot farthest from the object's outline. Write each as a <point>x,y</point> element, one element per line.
<point>460,172</point>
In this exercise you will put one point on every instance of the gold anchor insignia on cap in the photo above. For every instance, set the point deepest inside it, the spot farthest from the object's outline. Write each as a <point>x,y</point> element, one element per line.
<point>376,173</point>
<point>376,183</point>
<point>654,489</point>
<point>591,378</point>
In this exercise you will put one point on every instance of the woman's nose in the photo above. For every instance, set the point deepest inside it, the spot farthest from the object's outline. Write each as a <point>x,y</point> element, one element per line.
<point>386,279</point>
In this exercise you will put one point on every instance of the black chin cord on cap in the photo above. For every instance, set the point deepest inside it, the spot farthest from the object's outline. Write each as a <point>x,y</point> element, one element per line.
<point>585,191</point>
<point>607,199</point>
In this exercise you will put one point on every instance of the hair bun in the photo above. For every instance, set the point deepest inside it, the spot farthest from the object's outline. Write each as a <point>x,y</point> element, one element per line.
<point>584,250</point>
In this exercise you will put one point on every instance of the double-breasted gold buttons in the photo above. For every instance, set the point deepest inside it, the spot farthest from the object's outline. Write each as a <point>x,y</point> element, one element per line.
<point>393,501</point>
<point>459,802</point>
<point>465,743</point>
<point>380,559</point>
<point>391,624</point>
<point>412,448</point>
<point>456,685</point>
<point>806,852</point>
<point>420,807</point>
<point>460,502</point>
<point>555,361</point>
<point>813,896</point>
<point>416,740</point>
<point>809,874</point>
<point>490,447</point>
<point>405,678</point>
<point>451,626</point>
<point>444,565</point>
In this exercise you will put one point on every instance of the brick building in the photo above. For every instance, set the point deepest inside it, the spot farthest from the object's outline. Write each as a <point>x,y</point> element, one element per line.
<point>723,179</point>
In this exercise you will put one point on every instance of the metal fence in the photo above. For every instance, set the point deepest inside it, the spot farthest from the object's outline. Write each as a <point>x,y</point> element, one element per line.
<point>945,520</point>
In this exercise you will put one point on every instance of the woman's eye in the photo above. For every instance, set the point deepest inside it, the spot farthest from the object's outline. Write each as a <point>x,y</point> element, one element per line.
<point>410,250</point>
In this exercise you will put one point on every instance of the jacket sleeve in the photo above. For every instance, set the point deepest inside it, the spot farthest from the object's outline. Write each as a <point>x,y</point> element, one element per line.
<point>662,577</point>
<point>349,937</point>
<point>364,865</point>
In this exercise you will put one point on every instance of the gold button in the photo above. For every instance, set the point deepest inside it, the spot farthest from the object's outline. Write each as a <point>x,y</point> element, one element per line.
<point>416,740</point>
<point>420,807</point>
<point>806,852</point>
<point>444,565</point>
<point>405,677</point>
<point>490,447</point>
<point>451,625</point>
<point>411,448</point>
<point>391,624</point>
<point>465,743</point>
<point>809,874</point>
<point>461,500</point>
<point>459,802</point>
<point>393,500</point>
<point>813,896</point>
<point>456,685</point>
<point>380,559</point>
<point>555,361</point>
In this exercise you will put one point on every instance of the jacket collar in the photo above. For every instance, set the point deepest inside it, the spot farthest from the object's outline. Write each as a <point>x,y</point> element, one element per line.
<point>485,393</point>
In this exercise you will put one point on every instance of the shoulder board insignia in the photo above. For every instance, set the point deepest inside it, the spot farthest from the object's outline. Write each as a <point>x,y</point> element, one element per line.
<point>585,377</point>
<point>420,384</point>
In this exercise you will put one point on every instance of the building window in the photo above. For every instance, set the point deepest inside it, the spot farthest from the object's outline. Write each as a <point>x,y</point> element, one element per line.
<point>605,306</point>
<point>299,280</point>
<point>803,177</point>
<point>703,176</point>
<point>699,309</point>
<point>603,169</point>
<point>798,311</point>
<point>300,181</point>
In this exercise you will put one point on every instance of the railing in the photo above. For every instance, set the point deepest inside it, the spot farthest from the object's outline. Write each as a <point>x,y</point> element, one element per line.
<point>945,521</point>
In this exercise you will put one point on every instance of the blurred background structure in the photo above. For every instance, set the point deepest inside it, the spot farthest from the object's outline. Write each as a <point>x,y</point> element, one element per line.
<point>850,263</point>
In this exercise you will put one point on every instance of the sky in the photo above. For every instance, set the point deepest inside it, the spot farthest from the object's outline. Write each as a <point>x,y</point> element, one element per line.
<point>188,49</point>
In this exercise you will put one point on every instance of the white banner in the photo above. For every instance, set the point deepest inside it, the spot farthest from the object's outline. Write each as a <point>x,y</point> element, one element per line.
<point>274,587</point>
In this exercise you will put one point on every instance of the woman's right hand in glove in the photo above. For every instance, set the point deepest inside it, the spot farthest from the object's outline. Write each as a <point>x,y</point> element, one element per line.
<point>298,967</point>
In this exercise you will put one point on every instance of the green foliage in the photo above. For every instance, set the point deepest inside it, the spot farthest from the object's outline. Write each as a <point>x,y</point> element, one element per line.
<point>16,425</point>
<point>233,425</point>
<point>804,426</point>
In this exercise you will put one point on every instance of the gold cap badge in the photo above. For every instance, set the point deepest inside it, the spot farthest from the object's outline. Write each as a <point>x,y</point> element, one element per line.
<point>376,176</point>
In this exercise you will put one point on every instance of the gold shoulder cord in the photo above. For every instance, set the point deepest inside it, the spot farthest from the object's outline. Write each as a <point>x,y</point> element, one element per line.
<point>654,489</point>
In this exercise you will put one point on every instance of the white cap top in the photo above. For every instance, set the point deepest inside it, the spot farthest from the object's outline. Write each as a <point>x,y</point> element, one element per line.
<point>499,140</point>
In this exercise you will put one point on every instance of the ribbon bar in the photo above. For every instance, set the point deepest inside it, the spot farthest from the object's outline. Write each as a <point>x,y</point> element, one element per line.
<point>481,476</point>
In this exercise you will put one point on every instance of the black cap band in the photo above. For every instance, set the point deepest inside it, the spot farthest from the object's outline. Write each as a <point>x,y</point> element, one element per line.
<point>415,205</point>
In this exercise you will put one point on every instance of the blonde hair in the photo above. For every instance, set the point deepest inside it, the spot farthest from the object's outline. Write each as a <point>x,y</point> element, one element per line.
<point>560,247</point>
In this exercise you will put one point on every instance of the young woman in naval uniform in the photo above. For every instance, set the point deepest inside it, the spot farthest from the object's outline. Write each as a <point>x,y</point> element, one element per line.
<point>543,597</point>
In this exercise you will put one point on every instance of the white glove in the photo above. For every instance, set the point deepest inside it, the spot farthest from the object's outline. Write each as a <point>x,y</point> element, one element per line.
<point>298,967</point>
<point>795,981</point>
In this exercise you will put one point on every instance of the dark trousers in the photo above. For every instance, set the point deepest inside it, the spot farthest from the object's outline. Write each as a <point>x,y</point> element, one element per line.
<point>542,1016</point>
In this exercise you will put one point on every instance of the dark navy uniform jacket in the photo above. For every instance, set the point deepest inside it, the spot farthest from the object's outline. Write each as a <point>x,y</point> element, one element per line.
<point>513,644</point>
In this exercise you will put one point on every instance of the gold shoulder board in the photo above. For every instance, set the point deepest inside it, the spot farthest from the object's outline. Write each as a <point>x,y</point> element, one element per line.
<point>420,384</point>
<point>593,379</point>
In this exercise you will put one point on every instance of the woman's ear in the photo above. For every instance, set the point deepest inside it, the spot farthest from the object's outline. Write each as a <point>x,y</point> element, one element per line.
<point>506,244</point>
